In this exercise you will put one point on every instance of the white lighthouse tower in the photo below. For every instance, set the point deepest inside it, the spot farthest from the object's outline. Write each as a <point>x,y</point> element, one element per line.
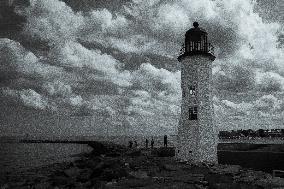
<point>197,135</point>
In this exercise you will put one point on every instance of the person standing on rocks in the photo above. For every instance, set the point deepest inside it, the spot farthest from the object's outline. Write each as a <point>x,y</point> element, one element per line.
<point>130,144</point>
<point>135,144</point>
<point>165,141</point>
<point>147,142</point>
<point>152,143</point>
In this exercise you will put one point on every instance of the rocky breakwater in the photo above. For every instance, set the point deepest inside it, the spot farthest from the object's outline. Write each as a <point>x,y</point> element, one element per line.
<point>114,166</point>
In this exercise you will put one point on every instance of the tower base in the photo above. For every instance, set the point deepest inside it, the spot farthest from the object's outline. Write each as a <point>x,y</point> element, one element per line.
<point>196,145</point>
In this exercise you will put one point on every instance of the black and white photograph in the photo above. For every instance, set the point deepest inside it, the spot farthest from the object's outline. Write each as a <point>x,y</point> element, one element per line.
<point>148,94</point>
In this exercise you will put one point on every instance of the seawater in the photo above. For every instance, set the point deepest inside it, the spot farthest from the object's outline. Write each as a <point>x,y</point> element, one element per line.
<point>16,157</point>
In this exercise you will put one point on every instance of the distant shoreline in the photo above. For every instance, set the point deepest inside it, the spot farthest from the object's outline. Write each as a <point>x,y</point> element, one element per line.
<point>254,140</point>
<point>124,139</point>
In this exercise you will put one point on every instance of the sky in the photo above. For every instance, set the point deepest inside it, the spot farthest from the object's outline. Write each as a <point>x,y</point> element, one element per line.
<point>95,67</point>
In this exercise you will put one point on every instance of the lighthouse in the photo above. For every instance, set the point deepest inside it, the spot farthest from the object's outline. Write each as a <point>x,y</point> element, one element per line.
<point>197,135</point>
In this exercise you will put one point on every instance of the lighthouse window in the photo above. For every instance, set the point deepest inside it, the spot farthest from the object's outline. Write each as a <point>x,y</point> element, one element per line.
<point>192,90</point>
<point>193,113</point>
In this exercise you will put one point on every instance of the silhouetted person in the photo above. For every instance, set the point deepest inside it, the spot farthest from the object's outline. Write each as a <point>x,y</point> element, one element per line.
<point>152,143</point>
<point>147,142</point>
<point>165,141</point>
<point>135,144</point>
<point>130,144</point>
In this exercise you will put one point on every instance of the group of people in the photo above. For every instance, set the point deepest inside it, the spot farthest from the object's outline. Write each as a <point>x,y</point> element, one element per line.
<point>130,145</point>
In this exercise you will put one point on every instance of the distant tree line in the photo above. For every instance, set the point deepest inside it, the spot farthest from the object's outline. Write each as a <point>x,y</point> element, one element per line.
<point>260,133</point>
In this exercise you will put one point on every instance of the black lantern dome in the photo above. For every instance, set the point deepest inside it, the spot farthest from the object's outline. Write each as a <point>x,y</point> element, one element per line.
<point>196,43</point>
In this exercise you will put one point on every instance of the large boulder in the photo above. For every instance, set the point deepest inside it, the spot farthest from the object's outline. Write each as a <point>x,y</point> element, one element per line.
<point>60,180</point>
<point>135,183</point>
<point>107,148</point>
<point>170,167</point>
<point>84,176</point>
<point>277,182</point>
<point>226,169</point>
<point>113,174</point>
<point>138,174</point>
<point>98,148</point>
<point>164,152</point>
<point>134,153</point>
<point>93,162</point>
<point>72,172</point>
<point>43,185</point>
<point>98,170</point>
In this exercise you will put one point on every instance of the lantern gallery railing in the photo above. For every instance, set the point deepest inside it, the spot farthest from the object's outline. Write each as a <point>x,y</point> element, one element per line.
<point>196,47</point>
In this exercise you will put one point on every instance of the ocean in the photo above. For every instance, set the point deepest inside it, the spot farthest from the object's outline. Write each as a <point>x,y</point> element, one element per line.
<point>19,157</point>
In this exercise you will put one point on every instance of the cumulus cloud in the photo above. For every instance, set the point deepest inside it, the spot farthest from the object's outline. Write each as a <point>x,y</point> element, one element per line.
<point>30,80</point>
<point>103,66</point>
<point>28,97</point>
<point>266,111</point>
<point>16,59</point>
<point>269,82</point>
<point>154,80</point>
<point>267,103</point>
<point>57,88</point>
<point>155,93</point>
<point>76,101</point>
<point>51,21</point>
<point>153,107</point>
<point>237,109</point>
<point>236,77</point>
<point>104,21</point>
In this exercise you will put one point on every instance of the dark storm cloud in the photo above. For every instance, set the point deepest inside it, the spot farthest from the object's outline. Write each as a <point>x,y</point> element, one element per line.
<point>236,78</point>
<point>87,5</point>
<point>271,10</point>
